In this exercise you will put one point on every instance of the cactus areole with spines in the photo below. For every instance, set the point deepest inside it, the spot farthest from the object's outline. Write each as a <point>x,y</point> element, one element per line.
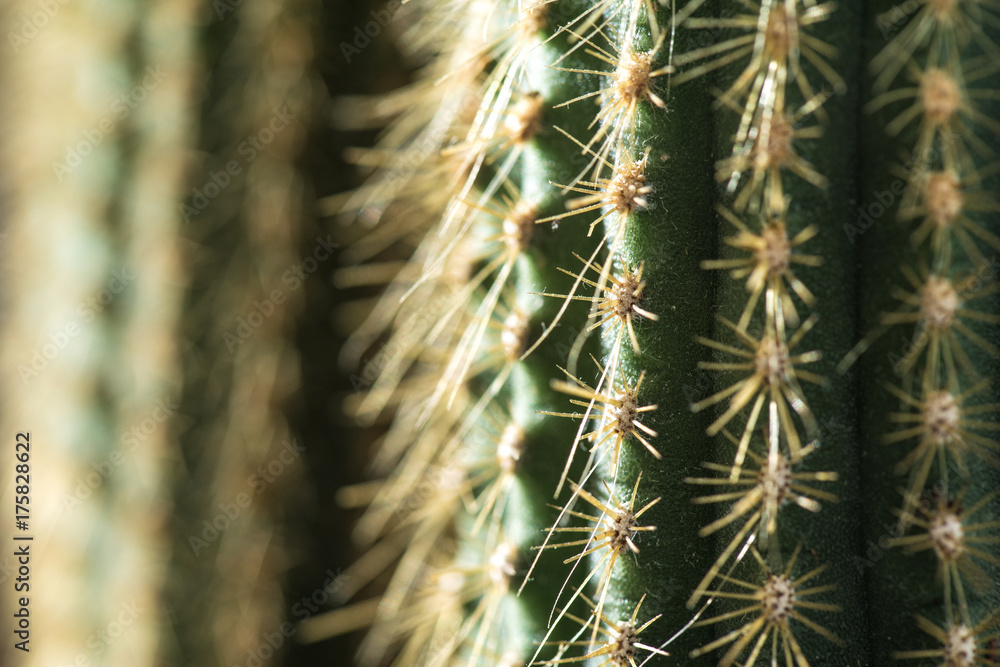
<point>704,331</point>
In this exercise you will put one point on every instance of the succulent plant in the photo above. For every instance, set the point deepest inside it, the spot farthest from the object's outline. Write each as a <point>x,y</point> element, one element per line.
<point>686,349</point>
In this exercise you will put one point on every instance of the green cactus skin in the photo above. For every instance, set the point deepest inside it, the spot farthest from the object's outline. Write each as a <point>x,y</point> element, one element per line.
<point>859,603</point>
<point>670,237</point>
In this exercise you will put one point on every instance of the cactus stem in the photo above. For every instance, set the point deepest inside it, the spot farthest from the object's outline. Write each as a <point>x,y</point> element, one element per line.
<point>614,532</point>
<point>631,83</point>
<point>766,153</point>
<point>949,532</point>
<point>777,40</point>
<point>619,302</point>
<point>946,23</point>
<point>941,423</point>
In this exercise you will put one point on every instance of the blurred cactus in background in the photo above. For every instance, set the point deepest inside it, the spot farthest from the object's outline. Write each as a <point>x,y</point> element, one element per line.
<point>244,226</point>
<point>96,144</point>
<point>154,197</point>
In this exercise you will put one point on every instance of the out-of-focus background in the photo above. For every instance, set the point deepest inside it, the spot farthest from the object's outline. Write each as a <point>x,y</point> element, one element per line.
<point>170,322</point>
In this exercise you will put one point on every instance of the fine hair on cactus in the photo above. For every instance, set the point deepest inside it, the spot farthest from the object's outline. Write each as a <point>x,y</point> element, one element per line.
<point>692,356</point>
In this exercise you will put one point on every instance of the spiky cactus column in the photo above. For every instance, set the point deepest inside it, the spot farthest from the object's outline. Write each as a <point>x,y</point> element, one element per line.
<point>927,228</point>
<point>780,501</point>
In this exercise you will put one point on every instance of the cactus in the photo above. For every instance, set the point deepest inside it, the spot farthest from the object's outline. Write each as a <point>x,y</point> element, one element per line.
<point>129,274</point>
<point>690,358</point>
<point>91,308</point>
